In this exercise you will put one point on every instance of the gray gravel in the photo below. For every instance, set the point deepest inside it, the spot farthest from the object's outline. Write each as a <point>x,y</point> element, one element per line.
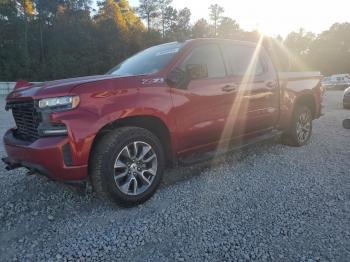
<point>269,202</point>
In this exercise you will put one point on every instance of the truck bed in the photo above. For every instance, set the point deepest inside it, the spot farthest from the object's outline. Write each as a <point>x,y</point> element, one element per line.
<point>292,76</point>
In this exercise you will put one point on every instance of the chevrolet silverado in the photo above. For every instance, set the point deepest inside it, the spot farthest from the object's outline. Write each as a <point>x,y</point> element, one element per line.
<point>163,105</point>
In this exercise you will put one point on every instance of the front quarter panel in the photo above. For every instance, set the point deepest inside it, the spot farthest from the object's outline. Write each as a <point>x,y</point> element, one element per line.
<point>104,102</point>
<point>101,102</point>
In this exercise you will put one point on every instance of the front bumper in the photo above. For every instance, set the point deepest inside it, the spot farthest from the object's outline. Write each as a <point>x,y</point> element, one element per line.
<point>47,156</point>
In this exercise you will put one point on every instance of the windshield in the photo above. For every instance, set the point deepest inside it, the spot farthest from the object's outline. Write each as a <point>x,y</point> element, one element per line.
<point>148,61</point>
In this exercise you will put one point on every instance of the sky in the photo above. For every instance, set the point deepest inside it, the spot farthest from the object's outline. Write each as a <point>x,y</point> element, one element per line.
<point>273,17</point>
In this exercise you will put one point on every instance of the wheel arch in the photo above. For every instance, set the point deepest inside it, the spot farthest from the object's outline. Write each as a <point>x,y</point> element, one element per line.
<point>306,100</point>
<point>153,124</point>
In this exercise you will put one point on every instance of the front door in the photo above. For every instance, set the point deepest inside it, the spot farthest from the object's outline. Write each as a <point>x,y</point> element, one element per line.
<point>202,109</point>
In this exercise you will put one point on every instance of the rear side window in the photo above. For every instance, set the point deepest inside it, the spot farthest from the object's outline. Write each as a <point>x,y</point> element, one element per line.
<point>245,61</point>
<point>210,56</point>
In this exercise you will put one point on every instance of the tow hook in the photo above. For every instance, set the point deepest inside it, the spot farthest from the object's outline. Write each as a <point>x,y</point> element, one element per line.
<point>9,165</point>
<point>30,172</point>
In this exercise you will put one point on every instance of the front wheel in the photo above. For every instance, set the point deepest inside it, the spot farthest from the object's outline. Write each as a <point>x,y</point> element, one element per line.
<point>301,127</point>
<point>127,164</point>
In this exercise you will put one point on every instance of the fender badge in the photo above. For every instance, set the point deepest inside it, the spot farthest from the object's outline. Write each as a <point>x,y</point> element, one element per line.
<point>150,81</point>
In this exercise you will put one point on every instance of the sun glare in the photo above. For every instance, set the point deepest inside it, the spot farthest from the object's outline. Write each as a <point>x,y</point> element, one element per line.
<point>240,104</point>
<point>263,30</point>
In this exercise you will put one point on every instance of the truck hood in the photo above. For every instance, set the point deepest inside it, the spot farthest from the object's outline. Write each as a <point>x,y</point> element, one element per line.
<point>54,88</point>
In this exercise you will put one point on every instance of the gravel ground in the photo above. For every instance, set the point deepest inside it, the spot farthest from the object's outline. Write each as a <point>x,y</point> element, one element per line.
<point>269,202</point>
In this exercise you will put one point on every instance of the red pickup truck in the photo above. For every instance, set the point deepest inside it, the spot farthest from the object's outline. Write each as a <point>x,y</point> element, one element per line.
<point>168,102</point>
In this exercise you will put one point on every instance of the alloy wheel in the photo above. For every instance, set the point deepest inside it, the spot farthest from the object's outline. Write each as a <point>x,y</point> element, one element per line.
<point>135,168</point>
<point>303,126</point>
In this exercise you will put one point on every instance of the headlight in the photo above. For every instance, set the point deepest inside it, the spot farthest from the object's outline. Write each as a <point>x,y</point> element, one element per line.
<point>59,103</point>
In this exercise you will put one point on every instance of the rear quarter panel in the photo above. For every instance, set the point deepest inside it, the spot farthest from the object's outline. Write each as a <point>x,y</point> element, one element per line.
<point>294,86</point>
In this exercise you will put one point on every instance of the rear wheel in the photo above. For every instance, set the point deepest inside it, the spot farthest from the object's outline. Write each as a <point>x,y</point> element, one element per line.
<point>127,165</point>
<point>301,127</point>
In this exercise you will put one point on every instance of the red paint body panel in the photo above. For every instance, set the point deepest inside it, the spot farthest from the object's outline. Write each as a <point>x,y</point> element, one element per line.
<point>198,118</point>
<point>293,87</point>
<point>46,154</point>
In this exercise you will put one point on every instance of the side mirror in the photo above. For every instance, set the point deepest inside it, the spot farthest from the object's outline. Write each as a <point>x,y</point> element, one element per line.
<point>177,78</point>
<point>346,123</point>
<point>180,79</point>
<point>197,71</point>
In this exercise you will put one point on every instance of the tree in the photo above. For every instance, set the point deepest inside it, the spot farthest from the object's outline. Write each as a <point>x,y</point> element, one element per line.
<point>11,29</point>
<point>181,29</point>
<point>200,29</point>
<point>299,42</point>
<point>120,12</point>
<point>170,18</point>
<point>183,19</point>
<point>119,33</point>
<point>27,11</point>
<point>43,40</point>
<point>330,50</point>
<point>46,14</point>
<point>298,46</point>
<point>148,10</point>
<point>215,12</point>
<point>163,6</point>
<point>228,28</point>
<point>129,14</point>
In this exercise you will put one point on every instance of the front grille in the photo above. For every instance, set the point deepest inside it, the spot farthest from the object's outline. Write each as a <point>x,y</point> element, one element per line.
<point>27,119</point>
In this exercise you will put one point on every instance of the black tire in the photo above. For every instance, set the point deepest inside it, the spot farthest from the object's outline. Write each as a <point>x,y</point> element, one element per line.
<point>290,137</point>
<point>103,159</point>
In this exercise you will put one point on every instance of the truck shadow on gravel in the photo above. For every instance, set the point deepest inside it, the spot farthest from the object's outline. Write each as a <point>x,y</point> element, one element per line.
<point>43,200</point>
<point>182,173</point>
<point>37,190</point>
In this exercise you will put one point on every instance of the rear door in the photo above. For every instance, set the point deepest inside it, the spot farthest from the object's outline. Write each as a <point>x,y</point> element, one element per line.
<point>203,107</point>
<point>257,96</point>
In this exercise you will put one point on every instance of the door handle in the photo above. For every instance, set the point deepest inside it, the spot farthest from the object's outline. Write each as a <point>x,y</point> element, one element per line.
<point>271,84</point>
<point>229,88</point>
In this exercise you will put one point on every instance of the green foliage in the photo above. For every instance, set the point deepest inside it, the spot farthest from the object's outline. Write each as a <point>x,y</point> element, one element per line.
<point>330,51</point>
<point>169,19</point>
<point>201,29</point>
<point>148,10</point>
<point>62,39</point>
<point>180,30</point>
<point>51,39</point>
<point>165,13</point>
<point>228,28</point>
<point>215,12</point>
<point>298,45</point>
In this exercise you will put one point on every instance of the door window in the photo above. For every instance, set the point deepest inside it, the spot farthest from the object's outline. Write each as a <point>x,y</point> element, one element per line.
<point>209,56</point>
<point>244,60</point>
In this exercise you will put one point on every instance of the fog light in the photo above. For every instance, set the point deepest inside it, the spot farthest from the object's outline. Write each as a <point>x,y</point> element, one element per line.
<point>55,132</point>
<point>52,129</point>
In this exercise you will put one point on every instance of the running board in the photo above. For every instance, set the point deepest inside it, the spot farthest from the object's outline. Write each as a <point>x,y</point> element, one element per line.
<point>201,157</point>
